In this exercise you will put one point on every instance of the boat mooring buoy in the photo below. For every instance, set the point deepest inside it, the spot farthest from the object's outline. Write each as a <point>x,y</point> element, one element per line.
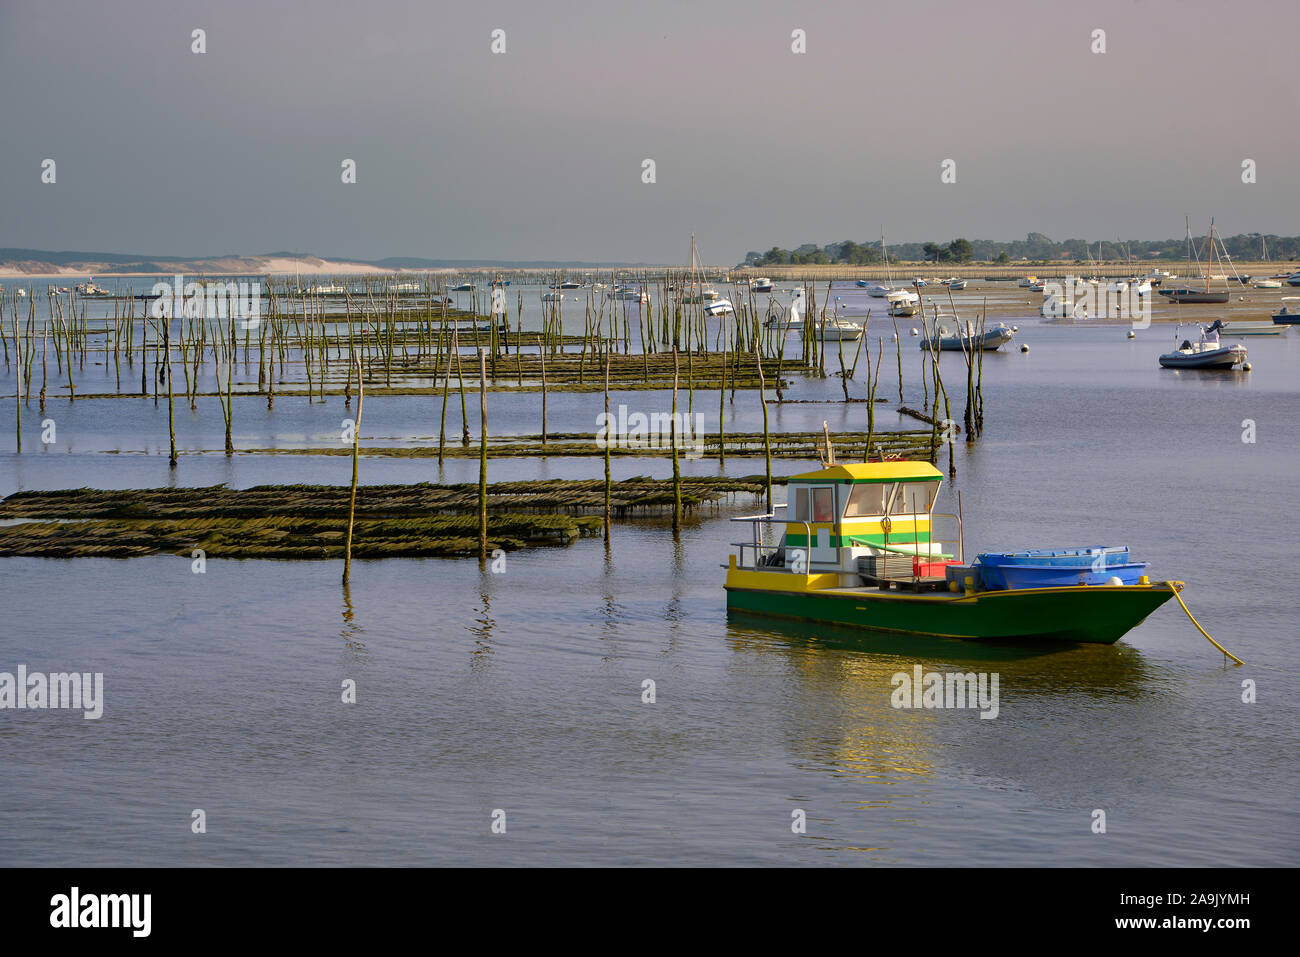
<point>1246,367</point>
<point>1132,334</point>
<point>914,330</point>
<point>1024,347</point>
<point>1015,328</point>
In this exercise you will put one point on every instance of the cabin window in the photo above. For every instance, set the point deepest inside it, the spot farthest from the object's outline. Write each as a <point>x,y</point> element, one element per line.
<point>867,500</point>
<point>800,505</point>
<point>914,498</point>
<point>823,505</point>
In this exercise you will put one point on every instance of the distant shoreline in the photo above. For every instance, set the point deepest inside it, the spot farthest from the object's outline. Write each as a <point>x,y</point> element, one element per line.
<point>898,272</point>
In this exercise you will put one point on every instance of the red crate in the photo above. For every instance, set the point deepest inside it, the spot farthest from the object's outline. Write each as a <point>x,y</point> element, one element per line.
<point>923,569</point>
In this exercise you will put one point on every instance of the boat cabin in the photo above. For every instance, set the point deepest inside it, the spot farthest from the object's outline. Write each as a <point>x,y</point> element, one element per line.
<point>856,523</point>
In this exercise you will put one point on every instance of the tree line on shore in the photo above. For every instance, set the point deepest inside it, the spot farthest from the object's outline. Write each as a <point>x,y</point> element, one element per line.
<point>1034,247</point>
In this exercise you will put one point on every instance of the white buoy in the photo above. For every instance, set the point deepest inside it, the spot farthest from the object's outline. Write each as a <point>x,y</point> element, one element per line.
<point>1246,367</point>
<point>1132,334</point>
<point>1114,580</point>
<point>1015,328</point>
<point>1024,347</point>
<point>914,332</point>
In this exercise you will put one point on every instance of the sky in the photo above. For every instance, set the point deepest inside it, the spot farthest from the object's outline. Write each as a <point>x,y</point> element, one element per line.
<point>538,152</point>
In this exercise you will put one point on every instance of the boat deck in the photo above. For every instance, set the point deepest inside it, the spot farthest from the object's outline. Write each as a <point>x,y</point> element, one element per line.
<point>925,584</point>
<point>936,590</point>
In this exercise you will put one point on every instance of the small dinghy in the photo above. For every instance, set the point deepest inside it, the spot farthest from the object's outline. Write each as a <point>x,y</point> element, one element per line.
<point>1206,353</point>
<point>944,333</point>
<point>1056,567</point>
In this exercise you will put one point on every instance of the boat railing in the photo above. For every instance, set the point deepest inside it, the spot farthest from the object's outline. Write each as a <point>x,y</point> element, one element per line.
<point>955,527</point>
<point>763,544</point>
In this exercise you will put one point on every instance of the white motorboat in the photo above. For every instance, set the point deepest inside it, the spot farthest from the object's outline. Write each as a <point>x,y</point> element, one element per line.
<point>834,328</point>
<point>719,307</point>
<point>89,289</point>
<point>1206,353</point>
<point>1246,328</point>
<point>945,333</point>
<point>1267,284</point>
<point>762,284</point>
<point>902,303</point>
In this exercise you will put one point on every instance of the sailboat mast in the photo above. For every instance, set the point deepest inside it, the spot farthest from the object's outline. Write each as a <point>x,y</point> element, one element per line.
<point>692,264</point>
<point>1209,263</point>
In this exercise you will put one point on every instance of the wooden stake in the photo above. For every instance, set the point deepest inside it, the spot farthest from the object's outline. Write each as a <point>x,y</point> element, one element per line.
<point>677,472</point>
<point>352,501</point>
<point>482,455</point>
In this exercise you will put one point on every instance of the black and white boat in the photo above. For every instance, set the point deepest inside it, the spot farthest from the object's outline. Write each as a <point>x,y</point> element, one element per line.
<point>1206,353</point>
<point>1289,314</point>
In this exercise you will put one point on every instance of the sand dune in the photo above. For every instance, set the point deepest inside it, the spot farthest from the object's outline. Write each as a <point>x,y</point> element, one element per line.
<point>222,266</point>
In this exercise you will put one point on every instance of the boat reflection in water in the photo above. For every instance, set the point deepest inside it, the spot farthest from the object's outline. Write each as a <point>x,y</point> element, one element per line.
<point>886,769</point>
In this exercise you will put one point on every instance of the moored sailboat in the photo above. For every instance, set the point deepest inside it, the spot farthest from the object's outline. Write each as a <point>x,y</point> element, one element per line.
<point>1185,293</point>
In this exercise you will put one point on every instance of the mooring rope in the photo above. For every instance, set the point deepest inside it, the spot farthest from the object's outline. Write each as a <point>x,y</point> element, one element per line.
<point>1174,588</point>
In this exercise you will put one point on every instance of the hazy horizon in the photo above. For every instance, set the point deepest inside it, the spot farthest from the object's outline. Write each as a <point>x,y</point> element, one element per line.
<point>536,154</point>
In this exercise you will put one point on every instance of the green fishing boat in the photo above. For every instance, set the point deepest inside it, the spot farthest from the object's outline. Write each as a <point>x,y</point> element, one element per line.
<point>858,545</point>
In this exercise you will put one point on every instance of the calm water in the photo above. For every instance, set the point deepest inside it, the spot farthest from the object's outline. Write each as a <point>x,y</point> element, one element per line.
<point>522,691</point>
